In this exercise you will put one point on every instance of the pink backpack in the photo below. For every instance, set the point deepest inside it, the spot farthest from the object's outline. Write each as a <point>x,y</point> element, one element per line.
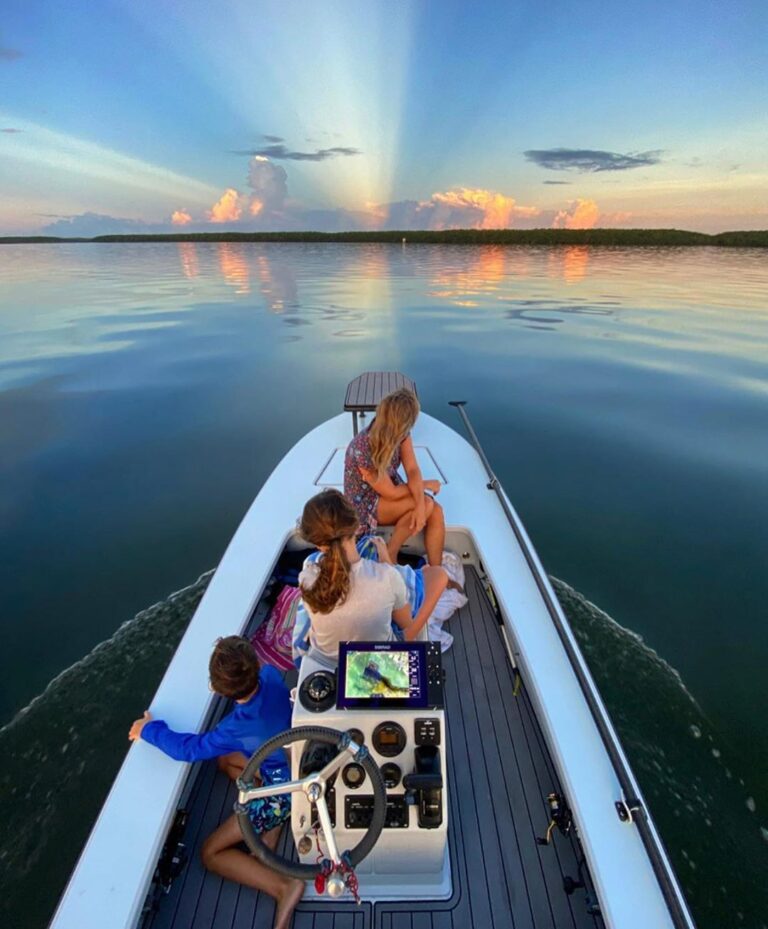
<point>272,641</point>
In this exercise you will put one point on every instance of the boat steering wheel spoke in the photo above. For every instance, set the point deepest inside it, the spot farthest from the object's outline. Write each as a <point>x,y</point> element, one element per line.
<point>327,826</point>
<point>245,793</point>
<point>315,787</point>
<point>350,752</point>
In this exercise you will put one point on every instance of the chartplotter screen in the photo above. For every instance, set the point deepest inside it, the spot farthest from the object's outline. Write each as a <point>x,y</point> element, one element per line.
<point>382,674</point>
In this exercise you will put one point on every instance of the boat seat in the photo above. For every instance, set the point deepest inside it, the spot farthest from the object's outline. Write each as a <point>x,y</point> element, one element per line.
<point>366,390</point>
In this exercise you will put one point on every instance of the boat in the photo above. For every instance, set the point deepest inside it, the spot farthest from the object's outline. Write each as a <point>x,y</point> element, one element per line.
<point>501,797</point>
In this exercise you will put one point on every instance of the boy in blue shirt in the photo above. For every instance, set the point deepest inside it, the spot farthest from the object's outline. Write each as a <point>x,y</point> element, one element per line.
<point>262,709</point>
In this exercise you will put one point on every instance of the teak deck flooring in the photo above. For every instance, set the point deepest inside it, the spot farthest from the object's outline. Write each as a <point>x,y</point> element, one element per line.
<point>500,773</point>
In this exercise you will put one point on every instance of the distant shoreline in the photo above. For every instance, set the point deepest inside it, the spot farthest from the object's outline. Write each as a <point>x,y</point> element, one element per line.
<point>647,238</point>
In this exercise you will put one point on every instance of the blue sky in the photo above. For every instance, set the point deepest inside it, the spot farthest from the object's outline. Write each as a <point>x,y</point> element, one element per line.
<point>136,115</point>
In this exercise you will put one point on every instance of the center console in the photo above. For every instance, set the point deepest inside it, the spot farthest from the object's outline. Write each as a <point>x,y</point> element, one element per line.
<point>389,697</point>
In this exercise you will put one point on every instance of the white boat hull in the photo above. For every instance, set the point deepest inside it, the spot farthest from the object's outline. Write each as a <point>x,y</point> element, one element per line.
<point>145,795</point>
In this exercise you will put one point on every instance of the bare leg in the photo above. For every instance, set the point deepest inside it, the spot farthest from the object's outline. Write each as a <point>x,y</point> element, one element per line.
<point>401,532</point>
<point>435,582</point>
<point>232,764</point>
<point>434,534</point>
<point>220,855</point>
<point>395,513</point>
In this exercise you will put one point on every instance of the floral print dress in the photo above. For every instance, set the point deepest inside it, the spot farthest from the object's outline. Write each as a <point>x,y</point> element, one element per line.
<point>356,489</point>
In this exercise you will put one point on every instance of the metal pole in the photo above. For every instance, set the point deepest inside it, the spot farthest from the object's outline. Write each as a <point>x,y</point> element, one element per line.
<point>633,808</point>
<point>493,482</point>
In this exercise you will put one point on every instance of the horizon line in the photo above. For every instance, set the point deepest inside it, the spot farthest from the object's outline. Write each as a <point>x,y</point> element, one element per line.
<point>542,236</point>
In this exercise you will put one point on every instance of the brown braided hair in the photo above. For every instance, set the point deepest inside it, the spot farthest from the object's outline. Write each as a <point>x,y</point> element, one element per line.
<point>327,520</point>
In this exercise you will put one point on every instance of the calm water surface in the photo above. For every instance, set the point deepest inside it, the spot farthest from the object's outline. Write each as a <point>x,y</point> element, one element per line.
<point>146,391</point>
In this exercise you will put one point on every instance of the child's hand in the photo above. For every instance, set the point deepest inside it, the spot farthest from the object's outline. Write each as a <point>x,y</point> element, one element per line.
<point>134,734</point>
<point>368,476</point>
<point>418,519</point>
<point>381,548</point>
<point>433,486</point>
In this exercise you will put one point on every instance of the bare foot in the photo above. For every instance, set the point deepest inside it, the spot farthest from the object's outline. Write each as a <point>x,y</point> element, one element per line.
<point>286,903</point>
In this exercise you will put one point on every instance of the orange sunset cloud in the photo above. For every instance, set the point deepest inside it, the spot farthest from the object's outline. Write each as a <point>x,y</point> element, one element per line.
<point>497,210</point>
<point>581,214</point>
<point>180,218</point>
<point>495,207</point>
<point>227,209</point>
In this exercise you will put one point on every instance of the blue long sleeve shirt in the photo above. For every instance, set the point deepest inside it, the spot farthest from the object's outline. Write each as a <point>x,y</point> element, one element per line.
<point>244,730</point>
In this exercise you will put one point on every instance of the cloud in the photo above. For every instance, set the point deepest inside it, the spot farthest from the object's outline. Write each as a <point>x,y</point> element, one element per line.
<point>180,218</point>
<point>269,184</point>
<point>281,153</point>
<point>298,219</point>
<point>269,189</point>
<point>263,204</point>
<point>267,207</point>
<point>10,129</point>
<point>564,183</point>
<point>590,160</point>
<point>227,208</point>
<point>495,209</point>
<point>9,54</point>
<point>580,214</point>
<point>88,225</point>
<point>273,138</point>
<point>458,208</point>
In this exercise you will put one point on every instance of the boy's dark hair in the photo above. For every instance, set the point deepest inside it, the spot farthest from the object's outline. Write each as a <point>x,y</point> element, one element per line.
<point>234,667</point>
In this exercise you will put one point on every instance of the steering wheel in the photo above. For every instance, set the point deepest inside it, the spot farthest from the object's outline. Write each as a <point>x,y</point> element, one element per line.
<point>314,786</point>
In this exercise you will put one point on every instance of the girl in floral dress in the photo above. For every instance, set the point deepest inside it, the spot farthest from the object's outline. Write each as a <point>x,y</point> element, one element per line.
<point>376,490</point>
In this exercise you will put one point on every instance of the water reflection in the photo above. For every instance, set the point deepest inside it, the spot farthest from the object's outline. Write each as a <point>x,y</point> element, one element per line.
<point>277,283</point>
<point>188,259</point>
<point>474,280</point>
<point>234,266</point>
<point>64,301</point>
<point>495,272</point>
<point>575,261</point>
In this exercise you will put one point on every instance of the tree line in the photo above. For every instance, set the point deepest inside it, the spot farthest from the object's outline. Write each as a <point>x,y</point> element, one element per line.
<point>604,237</point>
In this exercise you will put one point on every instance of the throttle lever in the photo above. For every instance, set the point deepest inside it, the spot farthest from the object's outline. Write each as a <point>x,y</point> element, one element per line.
<point>423,781</point>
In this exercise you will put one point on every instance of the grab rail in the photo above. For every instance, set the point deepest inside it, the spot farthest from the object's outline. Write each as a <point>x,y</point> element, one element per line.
<point>632,808</point>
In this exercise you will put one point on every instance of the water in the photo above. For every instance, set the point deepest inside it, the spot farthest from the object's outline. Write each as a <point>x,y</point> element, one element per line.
<point>146,391</point>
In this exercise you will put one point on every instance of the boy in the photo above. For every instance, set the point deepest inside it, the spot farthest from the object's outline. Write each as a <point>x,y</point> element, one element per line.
<point>262,710</point>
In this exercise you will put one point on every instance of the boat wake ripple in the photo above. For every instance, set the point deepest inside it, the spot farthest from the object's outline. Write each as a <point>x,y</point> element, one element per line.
<point>59,755</point>
<point>704,811</point>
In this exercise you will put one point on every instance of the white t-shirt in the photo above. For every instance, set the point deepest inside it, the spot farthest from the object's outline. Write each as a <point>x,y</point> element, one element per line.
<point>365,616</point>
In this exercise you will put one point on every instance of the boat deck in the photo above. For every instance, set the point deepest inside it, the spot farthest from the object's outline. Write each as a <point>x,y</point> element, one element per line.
<point>500,773</point>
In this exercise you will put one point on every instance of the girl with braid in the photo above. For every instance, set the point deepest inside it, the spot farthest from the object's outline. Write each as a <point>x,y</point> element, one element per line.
<point>354,599</point>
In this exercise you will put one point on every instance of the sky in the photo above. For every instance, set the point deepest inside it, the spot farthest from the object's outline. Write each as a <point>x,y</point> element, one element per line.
<point>333,115</point>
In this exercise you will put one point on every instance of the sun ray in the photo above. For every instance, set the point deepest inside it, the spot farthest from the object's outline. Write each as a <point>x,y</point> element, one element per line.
<point>51,151</point>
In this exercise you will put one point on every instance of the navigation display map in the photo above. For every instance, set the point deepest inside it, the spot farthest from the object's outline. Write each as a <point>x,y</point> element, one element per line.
<point>392,674</point>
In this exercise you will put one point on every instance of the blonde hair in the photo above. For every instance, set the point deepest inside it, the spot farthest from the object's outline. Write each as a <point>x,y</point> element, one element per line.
<point>327,520</point>
<point>396,415</point>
